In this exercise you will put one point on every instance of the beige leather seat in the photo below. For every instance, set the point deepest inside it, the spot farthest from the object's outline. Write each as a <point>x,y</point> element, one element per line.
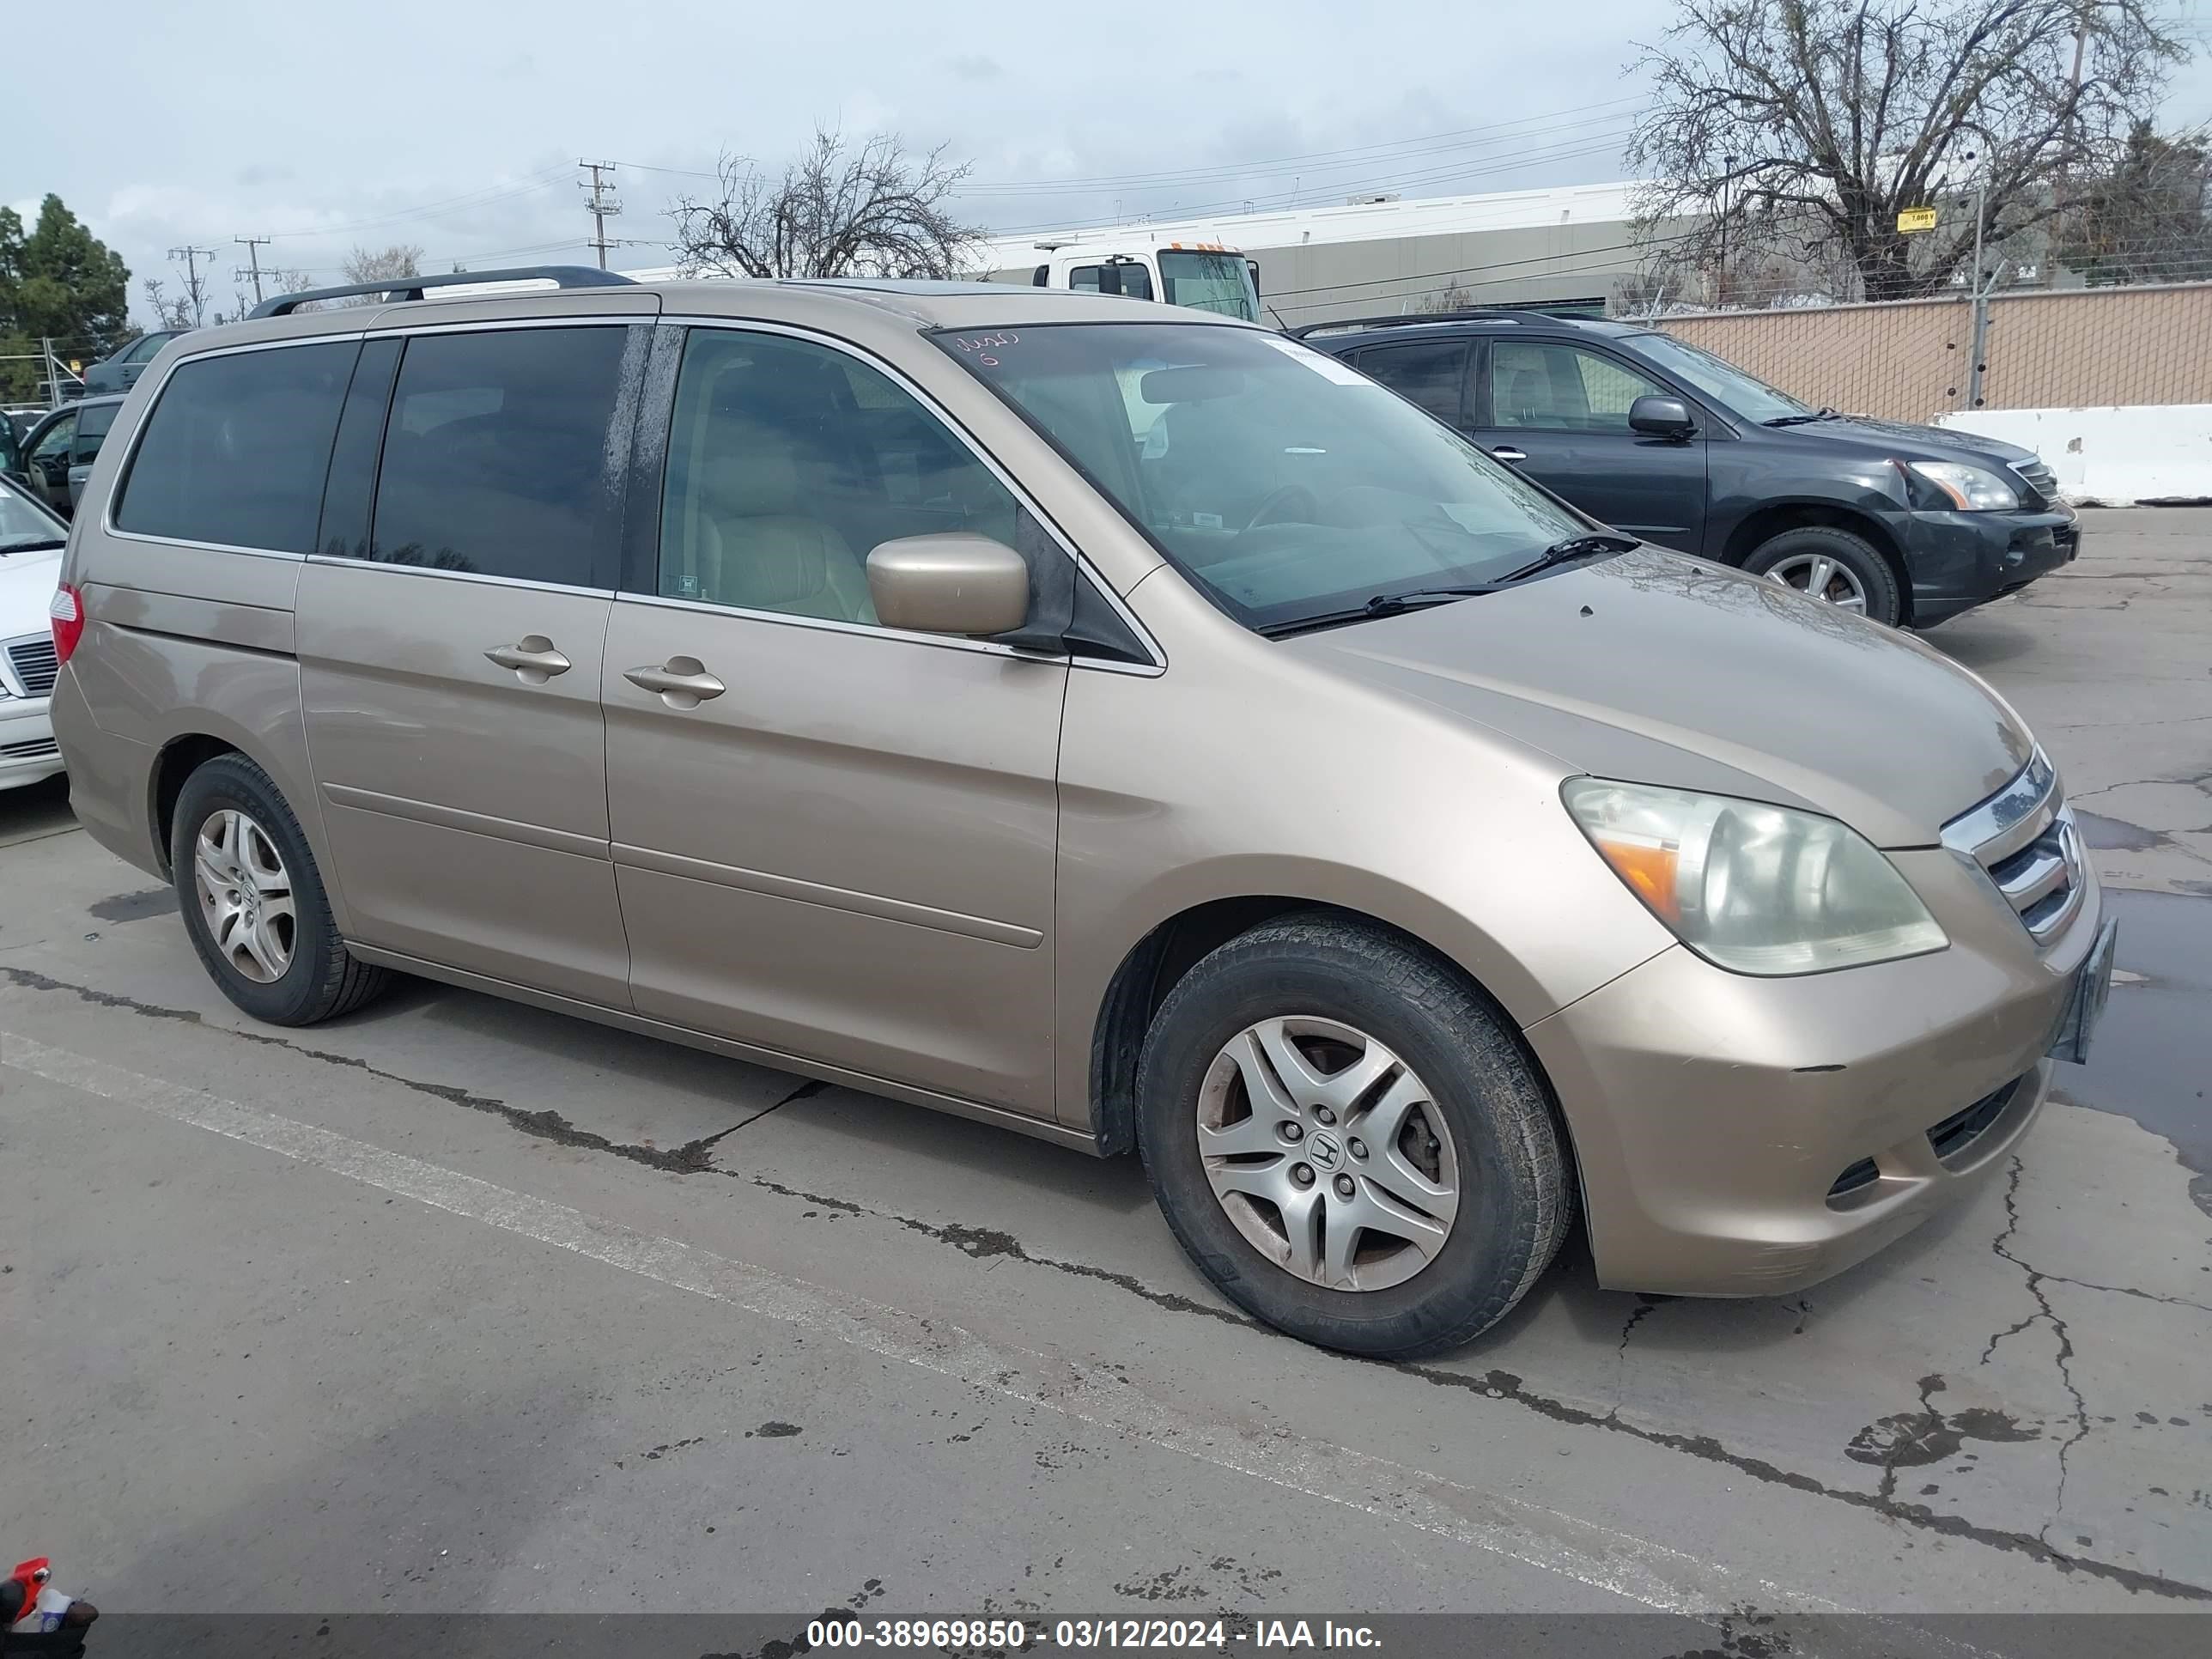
<point>758,549</point>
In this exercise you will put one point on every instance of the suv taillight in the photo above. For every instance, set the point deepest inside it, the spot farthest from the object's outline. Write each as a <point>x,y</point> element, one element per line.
<point>66,611</point>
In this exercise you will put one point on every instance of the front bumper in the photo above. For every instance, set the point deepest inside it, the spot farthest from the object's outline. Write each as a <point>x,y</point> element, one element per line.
<point>27,750</point>
<point>1723,1123</point>
<point>1959,560</point>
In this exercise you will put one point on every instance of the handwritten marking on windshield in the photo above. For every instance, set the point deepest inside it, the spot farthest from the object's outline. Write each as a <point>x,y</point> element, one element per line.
<point>981,346</point>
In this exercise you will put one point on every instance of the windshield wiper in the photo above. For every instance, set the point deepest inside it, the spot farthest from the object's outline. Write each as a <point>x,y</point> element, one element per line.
<point>1383,604</point>
<point>1823,413</point>
<point>33,547</point>
<point>1575,547</point>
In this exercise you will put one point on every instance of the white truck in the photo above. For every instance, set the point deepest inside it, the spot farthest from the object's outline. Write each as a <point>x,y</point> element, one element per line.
<point>1204,275</point>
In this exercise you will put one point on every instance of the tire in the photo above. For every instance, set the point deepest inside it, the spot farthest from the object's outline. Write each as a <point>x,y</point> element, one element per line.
<point>316,977</point>
<point>1326,975</point>
<point>1794,557</point>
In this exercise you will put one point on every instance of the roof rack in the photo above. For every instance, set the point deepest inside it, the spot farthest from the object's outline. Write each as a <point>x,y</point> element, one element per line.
<point>1414,319</point>
<point>411,288</point>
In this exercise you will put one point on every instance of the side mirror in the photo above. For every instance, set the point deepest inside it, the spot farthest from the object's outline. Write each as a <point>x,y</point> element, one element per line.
<point>1661,418</point>
<point>956,583</point>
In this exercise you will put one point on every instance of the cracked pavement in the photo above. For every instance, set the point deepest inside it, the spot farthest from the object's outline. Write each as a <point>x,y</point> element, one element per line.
<point>981,1376</point>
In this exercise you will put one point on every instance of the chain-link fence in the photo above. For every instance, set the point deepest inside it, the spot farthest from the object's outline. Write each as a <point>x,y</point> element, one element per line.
<point>1911,359</point>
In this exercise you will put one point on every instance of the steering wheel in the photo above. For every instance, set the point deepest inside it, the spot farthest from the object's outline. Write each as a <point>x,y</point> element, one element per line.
<point>1284,495</point>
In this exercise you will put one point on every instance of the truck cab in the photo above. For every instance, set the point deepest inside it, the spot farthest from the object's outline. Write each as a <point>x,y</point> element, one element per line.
<point>1204,275</point>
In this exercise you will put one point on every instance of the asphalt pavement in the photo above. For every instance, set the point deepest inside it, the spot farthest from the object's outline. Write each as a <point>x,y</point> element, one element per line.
<point>455,1305</point>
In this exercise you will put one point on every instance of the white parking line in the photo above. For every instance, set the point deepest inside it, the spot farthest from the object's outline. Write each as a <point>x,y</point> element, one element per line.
<point>1620,1564</point>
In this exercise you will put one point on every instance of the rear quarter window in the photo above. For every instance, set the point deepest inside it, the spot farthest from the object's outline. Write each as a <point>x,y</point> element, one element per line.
<point>237,447</point>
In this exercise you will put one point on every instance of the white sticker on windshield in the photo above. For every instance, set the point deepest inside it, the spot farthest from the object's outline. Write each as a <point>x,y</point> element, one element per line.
<point>1320,361</point>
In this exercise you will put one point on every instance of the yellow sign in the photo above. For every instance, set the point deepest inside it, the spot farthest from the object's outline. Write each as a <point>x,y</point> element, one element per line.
<point>1912,219</point>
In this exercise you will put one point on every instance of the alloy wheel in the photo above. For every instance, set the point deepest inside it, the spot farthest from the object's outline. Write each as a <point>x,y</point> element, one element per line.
<point>1818,576</point>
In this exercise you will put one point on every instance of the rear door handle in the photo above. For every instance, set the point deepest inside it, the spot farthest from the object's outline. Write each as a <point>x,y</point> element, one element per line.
<point>532,658</point>
<point>682,682</point>
<point>1507,452</point>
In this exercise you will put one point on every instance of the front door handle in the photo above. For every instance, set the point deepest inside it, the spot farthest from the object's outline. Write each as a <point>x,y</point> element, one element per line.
<point>682,682</point>
<point>532,658</point>
<point>1507,452</point>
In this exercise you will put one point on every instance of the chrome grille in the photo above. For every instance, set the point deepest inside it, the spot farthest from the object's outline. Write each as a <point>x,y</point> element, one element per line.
<point>32,666</point>
<point>2039,477</point>
<point>35,749</point>
<point>2023,837</point>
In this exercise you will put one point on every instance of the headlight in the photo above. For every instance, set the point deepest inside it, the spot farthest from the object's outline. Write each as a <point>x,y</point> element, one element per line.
<point>1757,889</point>
<point>1965,488</point>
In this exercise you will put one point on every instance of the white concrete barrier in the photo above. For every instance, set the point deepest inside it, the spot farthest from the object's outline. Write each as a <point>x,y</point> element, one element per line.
<point>2110,457</point>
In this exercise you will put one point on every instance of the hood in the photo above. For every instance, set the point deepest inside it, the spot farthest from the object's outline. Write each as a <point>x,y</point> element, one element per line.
<point>1920,443</point>
<point>27,585</point>
<point>1653,668</point>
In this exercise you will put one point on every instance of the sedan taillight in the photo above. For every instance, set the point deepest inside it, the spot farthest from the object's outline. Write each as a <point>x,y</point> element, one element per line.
<point>66,612</point>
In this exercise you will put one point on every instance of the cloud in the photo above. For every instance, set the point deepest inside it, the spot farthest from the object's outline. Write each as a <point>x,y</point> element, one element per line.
<point>974,66</point>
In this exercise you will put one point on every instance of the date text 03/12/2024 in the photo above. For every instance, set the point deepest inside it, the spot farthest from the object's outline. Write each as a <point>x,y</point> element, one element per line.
<point>1011,1635</point>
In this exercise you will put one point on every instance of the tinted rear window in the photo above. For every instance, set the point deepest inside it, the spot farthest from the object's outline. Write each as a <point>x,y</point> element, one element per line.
<point>496,454</point>
<point>236,449</point>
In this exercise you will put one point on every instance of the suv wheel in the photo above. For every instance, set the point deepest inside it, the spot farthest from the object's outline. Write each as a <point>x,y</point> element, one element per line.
<point>1823,562</point>
<point>254,901</point>
<point>1347,1139</point>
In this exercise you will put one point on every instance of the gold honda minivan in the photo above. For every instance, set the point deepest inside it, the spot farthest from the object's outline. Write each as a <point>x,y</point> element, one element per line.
<point>1125,726</point>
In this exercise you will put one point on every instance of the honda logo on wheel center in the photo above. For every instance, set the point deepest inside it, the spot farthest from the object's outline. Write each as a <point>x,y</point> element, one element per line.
<point>1322,1151</point>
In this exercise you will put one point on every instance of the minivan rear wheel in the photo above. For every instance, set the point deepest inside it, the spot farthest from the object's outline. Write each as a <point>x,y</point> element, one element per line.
<point>1348,1141</point>
<point>1833,566</point>
<point>254,901</point>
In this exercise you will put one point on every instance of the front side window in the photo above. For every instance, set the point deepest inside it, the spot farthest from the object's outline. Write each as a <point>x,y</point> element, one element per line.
<point>1562,388</point>
<point>495,454</point>
<point>1136,283</point>
<point>1284,484</point>
<point>788,461</point>
<point>1430,372</point>
<point>92,429</point>
<point>1221,283</point>
<point>54,442</point>
<point>236,450</point>
<point>146,347</point>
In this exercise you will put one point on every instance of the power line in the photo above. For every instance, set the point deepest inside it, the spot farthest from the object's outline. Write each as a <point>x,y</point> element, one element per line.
<point>469,202</point>
<point>1318,161</point>
<point>1458,170</point>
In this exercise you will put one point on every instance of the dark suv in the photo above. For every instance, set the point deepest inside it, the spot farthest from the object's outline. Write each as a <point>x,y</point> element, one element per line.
<point>1911,524</point>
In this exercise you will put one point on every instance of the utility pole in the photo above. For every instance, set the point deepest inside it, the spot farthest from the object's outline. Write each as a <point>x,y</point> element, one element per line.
<point>602,205</point>
<point>252,245</point>
<point>2057,237</point>
<point>1980,336</point>
<point>194,289</point>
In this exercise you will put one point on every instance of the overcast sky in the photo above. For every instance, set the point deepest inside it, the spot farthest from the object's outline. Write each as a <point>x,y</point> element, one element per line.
<point>456,126</point>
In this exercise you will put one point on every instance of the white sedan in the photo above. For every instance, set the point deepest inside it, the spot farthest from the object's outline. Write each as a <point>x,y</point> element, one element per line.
<point>31,539</point>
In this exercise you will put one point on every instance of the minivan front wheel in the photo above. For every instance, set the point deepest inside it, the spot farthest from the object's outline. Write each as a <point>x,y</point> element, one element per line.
<point>1833,566</point>
<point>254,901</point>
<point>1347,1139</point>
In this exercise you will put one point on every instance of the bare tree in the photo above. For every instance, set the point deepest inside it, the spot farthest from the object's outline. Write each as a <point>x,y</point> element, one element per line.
<point>839,210</point>
<point>1800,128</point>
<point>2147,220</point>
<point>377,264</point>
<point>175,313</point>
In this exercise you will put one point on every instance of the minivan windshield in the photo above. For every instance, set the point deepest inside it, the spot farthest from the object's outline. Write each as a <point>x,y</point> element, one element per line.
<point>1287,485</point>
<point>1723,381</point>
